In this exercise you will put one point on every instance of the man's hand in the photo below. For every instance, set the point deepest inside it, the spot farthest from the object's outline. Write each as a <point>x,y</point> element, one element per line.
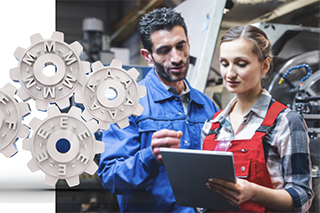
<point>164,138</point>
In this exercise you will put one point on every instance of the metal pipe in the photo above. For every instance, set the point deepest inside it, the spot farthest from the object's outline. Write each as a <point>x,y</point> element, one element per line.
<point>133,19</point>
<point>283,10</point>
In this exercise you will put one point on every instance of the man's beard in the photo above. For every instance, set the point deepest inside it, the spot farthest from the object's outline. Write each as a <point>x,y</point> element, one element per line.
<point>165,74</point>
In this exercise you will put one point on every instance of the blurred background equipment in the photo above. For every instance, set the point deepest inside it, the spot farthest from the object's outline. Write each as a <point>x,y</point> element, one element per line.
<point>293,27</point>
<point>297,65</point>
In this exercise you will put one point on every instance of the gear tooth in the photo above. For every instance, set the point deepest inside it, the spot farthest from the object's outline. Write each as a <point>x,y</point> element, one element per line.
<point>1,120</point>
<point>58,36</point>
<point>35,38</point>
<point>23,131</point>
<point>73,181</point>
<point>24,95</point>
<point>9,151</point>
<point>75,111</point>
<point>27,144</point>
<point>83,79</point>
<point>53,110</point>
<point>78,96</point>
<point>104,125</point>
<point>116,63</point>
<point>9,89</point>
<point>92,168</point>
<point>99,147</point>
<point>24,108</point>
<point>86,115</point>
<point>76,47</point>
<point>97,66</point>
<point>19,53</point>
<point>14,74</point>
<point>142,91</point>
<point>93,125</point>
<point>133,73</point>
<point>63,103</point>
<point>85,67</point>
<point>35,123</point>
<point>41,105</point>
<point>33,166</point>
<point>50,180</point>
<point>138,110</point>
<point>123,123</point>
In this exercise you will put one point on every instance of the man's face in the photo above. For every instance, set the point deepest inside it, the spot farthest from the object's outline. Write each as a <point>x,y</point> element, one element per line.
<point>170,54</point>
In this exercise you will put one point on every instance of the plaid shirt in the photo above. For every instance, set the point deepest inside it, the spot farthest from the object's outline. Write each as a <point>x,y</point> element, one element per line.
<point>288,158</point>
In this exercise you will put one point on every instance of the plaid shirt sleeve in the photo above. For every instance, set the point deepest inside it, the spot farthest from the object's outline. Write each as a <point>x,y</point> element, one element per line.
<point>289,161</point>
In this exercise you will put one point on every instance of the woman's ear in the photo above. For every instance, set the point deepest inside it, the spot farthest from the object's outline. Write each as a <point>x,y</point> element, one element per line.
<point>266,65</point>
<point>147,55</point>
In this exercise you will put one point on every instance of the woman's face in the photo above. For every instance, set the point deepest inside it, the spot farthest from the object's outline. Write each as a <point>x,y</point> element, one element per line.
<point>240,67</point>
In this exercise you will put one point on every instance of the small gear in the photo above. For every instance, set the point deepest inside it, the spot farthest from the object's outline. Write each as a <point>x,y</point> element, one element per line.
<point>63,146</point>
<point>43,86</point>
<point>11,115</point>
<point>111,94</point>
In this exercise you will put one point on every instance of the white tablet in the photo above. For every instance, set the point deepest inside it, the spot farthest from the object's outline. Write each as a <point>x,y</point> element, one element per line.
<point>189,170</point>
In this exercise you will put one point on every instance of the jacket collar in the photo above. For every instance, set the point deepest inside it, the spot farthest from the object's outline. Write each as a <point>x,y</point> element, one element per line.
<point>163,94</point>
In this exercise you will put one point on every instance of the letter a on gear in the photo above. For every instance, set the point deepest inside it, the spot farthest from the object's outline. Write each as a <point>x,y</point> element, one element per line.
<point>111,94</point>
<point>49,87</point>
<point>11,116</point>
<point>63,146</point>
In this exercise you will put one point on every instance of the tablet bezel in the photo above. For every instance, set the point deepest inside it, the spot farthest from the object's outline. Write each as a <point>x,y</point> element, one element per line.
<point>188,171</point>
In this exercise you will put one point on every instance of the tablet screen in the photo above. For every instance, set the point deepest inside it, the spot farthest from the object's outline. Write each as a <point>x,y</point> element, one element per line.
<point>189,170</point>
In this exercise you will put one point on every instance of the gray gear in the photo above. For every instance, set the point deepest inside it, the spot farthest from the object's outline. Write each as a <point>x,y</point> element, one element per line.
<point>44,88</point>
<point>63,146</point>
<point>111,94</point>
<point>11,115</point>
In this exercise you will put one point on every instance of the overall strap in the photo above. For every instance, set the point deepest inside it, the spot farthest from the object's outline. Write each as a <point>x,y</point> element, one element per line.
<point>268,122</point>
<point>215,127</point>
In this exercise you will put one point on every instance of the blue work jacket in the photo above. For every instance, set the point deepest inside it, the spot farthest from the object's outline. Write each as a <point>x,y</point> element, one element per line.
<point>127,167</point>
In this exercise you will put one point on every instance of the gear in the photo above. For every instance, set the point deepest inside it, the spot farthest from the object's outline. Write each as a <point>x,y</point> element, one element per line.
<point>63,146</point>
<point>11,115</point>
<point>41,85</point>
<point>111,94</point>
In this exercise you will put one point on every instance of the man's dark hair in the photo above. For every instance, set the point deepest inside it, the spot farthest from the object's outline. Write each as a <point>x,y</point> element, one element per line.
<point>159,19</point>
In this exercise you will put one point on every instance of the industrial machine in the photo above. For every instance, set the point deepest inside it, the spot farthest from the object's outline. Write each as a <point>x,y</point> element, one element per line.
<point>296,82</point>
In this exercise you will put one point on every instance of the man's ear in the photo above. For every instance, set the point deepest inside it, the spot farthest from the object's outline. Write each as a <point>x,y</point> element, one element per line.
<point>147,55</point>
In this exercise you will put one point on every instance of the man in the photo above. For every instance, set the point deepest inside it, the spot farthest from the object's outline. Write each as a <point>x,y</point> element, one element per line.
<point>173,116</point>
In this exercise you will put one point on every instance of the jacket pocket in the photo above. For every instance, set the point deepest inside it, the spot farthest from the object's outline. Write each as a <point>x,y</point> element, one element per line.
<point>151,125</point>
<point>242,168</point>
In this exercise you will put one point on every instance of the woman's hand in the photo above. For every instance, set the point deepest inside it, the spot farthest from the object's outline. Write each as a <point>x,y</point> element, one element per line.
<point>235,193</point>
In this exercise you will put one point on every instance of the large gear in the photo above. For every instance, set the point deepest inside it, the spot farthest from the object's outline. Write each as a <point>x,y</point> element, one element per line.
<point>111,94</point>
<point>63,146</point>
<point>11,116</point>
<point>37,84</point>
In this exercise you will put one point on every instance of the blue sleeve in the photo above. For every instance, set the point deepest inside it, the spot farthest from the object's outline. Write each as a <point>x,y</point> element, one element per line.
<point>125,167</point>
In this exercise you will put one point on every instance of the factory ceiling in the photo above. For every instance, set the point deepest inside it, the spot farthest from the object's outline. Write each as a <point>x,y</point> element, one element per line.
<point>121,17</point>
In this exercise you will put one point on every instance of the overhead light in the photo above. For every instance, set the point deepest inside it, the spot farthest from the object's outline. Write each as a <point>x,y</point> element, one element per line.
<point>228,6</point>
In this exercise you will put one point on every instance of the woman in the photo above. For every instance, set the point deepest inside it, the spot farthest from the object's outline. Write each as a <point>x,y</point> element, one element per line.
<point>269,141</point>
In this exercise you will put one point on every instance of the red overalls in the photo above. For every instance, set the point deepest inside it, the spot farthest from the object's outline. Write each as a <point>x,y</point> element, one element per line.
<point>248,155</point>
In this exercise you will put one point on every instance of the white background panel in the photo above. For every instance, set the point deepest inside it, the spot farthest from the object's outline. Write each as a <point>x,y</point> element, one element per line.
<point>21,190</point>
